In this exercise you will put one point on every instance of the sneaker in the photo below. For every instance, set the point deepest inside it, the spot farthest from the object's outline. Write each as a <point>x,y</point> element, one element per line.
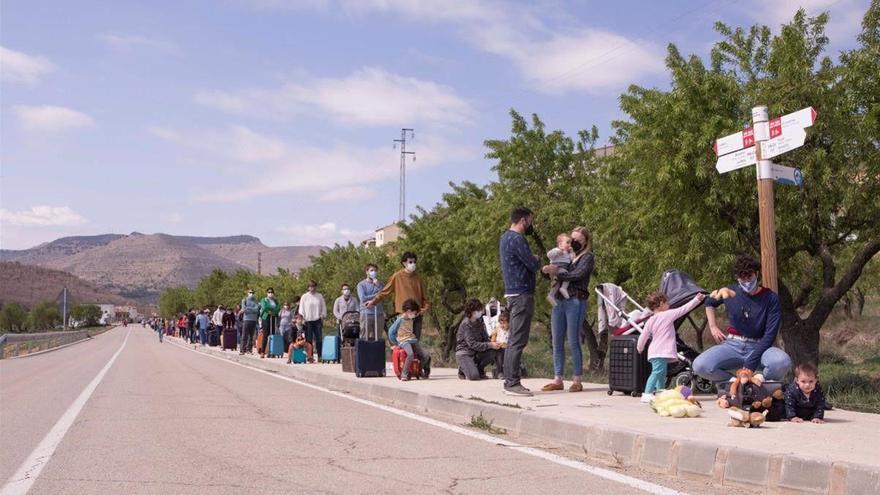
<point>553,386</point>
<point>404,378</point>
<point>461,375</point>
<point>646,398</point>
<point>518,391</point>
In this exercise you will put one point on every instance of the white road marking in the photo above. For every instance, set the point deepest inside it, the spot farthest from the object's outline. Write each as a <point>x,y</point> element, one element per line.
<point>20,482</point>
<point>556,459</point>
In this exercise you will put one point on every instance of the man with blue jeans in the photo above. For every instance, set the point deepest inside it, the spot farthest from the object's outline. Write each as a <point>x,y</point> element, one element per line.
<point>518,267</point>
<point>754,315</point>
<point>202,321</point>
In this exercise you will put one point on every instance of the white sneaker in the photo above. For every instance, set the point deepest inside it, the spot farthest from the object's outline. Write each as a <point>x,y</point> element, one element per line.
<point>647,398</point>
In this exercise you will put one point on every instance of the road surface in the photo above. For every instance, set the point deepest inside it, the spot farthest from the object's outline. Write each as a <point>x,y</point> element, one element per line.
<point>164,419</point>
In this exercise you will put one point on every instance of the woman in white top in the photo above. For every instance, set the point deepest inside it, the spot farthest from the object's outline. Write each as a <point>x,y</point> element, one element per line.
<point>313,309</point>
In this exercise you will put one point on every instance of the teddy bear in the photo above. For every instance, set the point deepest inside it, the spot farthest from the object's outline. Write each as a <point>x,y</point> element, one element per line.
<point>748,395</point>
<point>744,419</point>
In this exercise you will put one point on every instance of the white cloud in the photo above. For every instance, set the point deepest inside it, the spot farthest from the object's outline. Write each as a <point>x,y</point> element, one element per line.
<point>42,216</point>
<point>340,171</point>
<point>50,118</point>
<point>173,217</point>
<point>164,133</point>
<point>553,58</point>
<point>21,67</point>
<point>324,234</point>
<point>130,42</point>
<point>368,97</point>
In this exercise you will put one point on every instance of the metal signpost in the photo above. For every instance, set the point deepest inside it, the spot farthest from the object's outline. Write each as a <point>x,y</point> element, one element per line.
<point>766,139</point>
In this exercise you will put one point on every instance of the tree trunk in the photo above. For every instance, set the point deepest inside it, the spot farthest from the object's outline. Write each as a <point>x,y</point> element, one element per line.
<point>847,306</point>
<point>597,347</point>
<point>801,342</point>
<point>860,303</point>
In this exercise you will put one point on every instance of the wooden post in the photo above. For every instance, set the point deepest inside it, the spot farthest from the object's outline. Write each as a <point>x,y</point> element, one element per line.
<point>766,209</point>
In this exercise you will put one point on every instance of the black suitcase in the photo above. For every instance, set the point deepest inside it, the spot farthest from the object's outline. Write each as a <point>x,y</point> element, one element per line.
<point>214,337</point>
<point>627,369</point>
<point>230,338</point>
<point>369,355</point>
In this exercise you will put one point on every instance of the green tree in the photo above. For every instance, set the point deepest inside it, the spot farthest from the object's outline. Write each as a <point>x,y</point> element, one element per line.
<point>88,314</point>
<point>174,301</point>
<point>13,318</point>
<point>673,205</point>
<point>45,316</point>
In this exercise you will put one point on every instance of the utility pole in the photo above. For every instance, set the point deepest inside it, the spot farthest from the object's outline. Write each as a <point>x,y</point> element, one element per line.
<point>766,203</point>
<point>64,311</point>
<point>259,262</point>
<point>403,153</point>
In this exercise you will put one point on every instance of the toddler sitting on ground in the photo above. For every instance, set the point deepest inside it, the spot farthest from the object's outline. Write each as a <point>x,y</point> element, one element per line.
<point>804,400</point>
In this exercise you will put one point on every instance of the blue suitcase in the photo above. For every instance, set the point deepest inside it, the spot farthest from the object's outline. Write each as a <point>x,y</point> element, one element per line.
<point>276,346</point>
<point>330,349</point>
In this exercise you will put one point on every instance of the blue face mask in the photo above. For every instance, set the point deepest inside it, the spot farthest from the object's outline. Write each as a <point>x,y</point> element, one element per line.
<point>749,286</point>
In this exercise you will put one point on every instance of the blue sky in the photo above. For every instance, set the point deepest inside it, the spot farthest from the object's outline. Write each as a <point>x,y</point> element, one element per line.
<point>275,118</point>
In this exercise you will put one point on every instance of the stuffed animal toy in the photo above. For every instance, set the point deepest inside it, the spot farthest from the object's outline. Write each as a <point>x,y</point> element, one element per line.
<point>722,293</point>
<point>677,403</point>
<point>744,419</point>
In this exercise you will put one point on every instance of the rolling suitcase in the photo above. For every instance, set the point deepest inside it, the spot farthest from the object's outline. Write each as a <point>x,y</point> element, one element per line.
<point>230,338</point>
<point>330,349</point>
<point>348,357</point>
<point>214,337</point>
<point>398,357</point>
<point>627,369</point>
<point>369,358</point>
<point>299,356</point>
<point>276,346</point>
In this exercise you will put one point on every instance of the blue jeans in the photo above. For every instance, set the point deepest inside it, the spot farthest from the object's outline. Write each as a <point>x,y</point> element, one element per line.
<point>657,380</point>
<point>716,363</point>
<point>203,336</point>
<point>315,335</point>
<point>566,321</point>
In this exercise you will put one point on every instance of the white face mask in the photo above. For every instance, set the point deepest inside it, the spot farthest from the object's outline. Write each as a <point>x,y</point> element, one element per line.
<point>372,274</point>
<point>477,315</point>
<point>346,292</point>
<point>411,266</point>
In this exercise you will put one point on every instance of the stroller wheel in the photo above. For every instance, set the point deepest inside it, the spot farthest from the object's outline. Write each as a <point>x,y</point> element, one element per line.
<point>684,378</point>
<point>704,386</point>
<point>611,392</point>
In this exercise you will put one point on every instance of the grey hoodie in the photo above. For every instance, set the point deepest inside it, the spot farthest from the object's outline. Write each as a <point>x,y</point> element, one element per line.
<point>251,308</point>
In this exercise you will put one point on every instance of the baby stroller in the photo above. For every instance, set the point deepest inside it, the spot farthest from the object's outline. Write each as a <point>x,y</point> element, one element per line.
<point>679,288</point>
<point>350,327</point>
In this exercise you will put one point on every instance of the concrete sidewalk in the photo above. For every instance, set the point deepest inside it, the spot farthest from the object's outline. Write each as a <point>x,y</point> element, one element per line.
<point>839,457</point>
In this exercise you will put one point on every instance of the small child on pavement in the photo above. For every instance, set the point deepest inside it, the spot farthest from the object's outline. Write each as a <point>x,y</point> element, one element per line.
<point>661,327</point>
<point>560,256</point>
<point>403,335</point>
<point>500,335</point>
<point>298,328</point>
<point>804,399</point>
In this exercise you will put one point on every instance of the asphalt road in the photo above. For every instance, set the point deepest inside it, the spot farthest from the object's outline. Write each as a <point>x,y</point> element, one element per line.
<point>168,420</point>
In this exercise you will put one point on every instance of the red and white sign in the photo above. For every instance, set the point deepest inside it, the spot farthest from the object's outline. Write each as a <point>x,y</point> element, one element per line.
<point>736,160</point>
<point>793,138</point>
<point>804,117</point>
<point>734,142</point>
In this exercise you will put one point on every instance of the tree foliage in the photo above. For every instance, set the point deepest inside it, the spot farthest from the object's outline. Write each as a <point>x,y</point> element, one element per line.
<point>13,318</point>
<point>88,314</point>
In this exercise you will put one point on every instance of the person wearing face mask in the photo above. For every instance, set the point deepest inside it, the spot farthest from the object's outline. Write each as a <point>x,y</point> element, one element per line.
<point>754,316</point>
<point>269,309</point>
<point>250,313</point>
<point>568,313</point>
<point>285,316</point>
<point>344,303</point>
<point>518,267</point>
<point>406,284</point>
<point>473,349</point>
<point>372,317</point>
<point>313,310</point>
<point>402,334</point>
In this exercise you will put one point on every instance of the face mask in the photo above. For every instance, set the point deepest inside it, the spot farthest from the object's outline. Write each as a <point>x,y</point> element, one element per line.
<point>346,292</point>
<point>411,267</point>
<point>477,315</point>
<point>312,290</point>
<point>576,246</point>
<point>749,286</point>
<point>372,274</point>
<point>270,296</point>
<point>250,294</point>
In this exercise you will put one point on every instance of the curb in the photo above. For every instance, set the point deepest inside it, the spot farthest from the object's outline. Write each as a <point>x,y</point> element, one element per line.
<point>718,465</point>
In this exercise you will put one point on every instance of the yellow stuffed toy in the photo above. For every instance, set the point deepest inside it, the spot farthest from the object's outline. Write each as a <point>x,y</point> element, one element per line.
<point>722,293</point>
<point>674,403</point>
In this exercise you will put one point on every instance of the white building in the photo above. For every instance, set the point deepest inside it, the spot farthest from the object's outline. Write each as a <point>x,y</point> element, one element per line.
<point>386,234</point>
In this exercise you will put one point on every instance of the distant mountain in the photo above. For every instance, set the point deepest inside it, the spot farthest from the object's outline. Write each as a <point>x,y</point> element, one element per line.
<point>140,266</point>
<point>30,285</point>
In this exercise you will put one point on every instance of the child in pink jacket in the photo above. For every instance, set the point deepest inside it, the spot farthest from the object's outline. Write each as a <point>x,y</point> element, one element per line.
<point>661,329</point>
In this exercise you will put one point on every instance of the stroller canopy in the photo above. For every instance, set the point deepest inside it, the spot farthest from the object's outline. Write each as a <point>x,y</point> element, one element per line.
<point>679,287</point>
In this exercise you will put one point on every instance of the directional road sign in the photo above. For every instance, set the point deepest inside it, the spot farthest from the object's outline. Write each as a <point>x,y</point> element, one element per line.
<point>736,160</point>
<point>793,138</point>
<point>734,142</point>
<point>783,175</point>
<point>804,117</point>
